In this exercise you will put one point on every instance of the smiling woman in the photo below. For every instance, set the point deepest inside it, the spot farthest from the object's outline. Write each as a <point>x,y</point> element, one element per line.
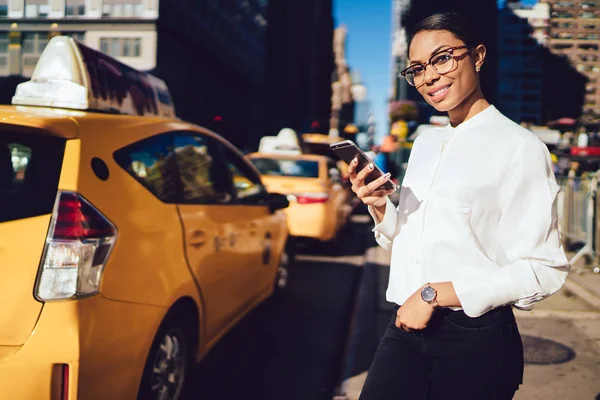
<point>474,234</point>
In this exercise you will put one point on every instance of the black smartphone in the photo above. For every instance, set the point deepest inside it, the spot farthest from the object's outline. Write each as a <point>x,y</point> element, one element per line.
<point>347,150</point>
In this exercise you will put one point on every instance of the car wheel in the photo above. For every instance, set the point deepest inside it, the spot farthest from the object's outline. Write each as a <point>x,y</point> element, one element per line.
<point>167,365</point>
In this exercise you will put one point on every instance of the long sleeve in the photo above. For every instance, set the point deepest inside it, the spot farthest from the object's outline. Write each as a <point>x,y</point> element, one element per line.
<point>531,261</point>
<point>386,229</point>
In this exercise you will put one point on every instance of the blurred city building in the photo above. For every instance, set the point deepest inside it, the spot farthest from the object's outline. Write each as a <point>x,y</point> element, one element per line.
<point>342,103</point>
<point>124,29</point>
<point>299,65</point>
<point>522,35</point>
<point>211,54</point>
<point>399,59</point>
<point>362,105</point>
<point>575,33</point>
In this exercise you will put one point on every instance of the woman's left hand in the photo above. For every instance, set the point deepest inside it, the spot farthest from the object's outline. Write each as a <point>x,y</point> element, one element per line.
<point>414,314</point>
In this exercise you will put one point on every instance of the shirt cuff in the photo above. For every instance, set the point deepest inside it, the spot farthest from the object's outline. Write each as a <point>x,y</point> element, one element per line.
<point>387,226</point>
<point>481,293</point>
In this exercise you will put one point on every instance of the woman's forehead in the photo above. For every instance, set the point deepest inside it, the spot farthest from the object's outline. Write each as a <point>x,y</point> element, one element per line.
<point>426,43</point>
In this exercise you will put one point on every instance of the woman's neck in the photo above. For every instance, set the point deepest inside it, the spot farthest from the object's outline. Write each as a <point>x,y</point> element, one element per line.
<point>468,109</point>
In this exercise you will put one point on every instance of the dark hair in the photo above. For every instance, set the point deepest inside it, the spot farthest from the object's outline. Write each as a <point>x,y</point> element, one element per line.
<point>455,23</point>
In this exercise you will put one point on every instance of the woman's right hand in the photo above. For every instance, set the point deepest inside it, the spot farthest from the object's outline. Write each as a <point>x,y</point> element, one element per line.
<point>368,193</point>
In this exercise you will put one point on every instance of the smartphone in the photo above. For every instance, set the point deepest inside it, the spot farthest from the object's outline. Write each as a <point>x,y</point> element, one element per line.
<point>347,150</point>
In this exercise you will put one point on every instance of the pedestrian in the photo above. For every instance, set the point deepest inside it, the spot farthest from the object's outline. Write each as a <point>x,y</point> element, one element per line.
<point>475,233</point>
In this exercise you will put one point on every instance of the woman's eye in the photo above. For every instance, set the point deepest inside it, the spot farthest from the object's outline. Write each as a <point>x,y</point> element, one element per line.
<point>416,71</point>
<point>442,58</point>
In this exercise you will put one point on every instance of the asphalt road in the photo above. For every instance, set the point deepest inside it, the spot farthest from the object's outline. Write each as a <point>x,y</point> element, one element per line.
<point>293,347</point>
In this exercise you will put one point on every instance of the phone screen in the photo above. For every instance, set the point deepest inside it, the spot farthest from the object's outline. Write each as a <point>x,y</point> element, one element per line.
<point>347,151</point>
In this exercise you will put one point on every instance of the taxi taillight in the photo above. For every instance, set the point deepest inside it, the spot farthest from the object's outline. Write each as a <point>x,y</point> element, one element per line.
<point>311,198</point>
<point>78,245</point>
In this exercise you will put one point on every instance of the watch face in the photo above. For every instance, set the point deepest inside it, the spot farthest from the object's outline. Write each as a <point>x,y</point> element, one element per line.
<point>428,294</point>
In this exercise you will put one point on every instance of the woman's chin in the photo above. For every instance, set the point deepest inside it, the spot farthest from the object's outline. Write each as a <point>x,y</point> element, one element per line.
<point>442,106</point>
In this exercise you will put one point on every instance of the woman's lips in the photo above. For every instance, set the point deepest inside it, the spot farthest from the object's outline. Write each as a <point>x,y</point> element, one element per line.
<point>438,94</point>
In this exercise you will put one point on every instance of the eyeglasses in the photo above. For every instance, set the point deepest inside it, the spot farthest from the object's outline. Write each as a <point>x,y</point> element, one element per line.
<point>442,62</point>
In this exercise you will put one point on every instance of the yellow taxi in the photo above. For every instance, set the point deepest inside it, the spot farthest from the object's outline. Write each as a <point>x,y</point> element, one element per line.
<point>319,204</point>
<point>131,240</point>
<point>318,143</point>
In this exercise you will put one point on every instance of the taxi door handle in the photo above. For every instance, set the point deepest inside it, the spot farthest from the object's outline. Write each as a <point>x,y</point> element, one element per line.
<point>197,238</point>
<point>252,228</point>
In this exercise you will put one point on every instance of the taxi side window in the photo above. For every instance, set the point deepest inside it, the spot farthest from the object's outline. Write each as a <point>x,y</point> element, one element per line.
<point>30,168</point>
<point>248,188</point>
<point>204,176</point>
<point>151,163</point>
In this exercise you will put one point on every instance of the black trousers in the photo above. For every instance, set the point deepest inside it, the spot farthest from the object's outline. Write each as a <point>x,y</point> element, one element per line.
<point>455,357</point>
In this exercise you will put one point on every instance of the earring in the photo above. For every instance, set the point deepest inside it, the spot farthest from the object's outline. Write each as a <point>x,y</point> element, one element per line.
<point>478,68</point>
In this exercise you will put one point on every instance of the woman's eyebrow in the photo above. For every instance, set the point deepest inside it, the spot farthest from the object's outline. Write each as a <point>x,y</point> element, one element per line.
<point>432,53</point>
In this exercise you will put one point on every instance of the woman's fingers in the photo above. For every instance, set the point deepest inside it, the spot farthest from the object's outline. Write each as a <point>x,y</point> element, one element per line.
<point>371,188</point>
<point>360,177</point>
<point>352,168</point>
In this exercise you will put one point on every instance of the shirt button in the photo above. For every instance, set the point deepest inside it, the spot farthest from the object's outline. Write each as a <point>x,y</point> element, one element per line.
<point>417,261</point>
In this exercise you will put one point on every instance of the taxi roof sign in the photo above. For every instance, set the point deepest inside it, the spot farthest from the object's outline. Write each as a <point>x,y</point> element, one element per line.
<point>71,75</point>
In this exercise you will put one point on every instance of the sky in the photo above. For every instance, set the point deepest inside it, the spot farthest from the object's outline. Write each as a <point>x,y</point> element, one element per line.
<point>368,48</point>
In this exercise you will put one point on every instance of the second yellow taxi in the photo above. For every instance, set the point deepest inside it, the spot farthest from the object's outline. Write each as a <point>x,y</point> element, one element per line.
<point>319,202</point>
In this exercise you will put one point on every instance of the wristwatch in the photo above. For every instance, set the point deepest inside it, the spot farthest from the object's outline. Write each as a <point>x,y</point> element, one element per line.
<point>429,295</point>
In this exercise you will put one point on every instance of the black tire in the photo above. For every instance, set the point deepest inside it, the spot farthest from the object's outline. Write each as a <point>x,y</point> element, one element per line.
<point>171,353</point>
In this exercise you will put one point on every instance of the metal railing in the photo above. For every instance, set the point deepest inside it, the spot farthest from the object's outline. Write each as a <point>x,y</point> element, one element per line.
<point>578,216</point>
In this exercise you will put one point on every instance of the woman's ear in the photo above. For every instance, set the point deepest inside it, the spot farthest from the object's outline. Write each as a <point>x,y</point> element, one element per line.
<point>479,56</point>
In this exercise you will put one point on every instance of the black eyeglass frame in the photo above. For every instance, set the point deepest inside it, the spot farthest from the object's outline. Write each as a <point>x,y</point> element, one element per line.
<point>448,50</point>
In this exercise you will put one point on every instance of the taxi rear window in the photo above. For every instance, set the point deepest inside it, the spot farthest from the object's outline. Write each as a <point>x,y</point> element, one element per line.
<point>29,173</point>
<point>287,167</point>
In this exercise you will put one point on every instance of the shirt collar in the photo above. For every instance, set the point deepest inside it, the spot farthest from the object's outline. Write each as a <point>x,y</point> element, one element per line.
<point>478,118</point>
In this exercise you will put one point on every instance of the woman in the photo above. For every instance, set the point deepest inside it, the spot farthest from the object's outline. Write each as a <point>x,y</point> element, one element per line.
<point>475,232</point>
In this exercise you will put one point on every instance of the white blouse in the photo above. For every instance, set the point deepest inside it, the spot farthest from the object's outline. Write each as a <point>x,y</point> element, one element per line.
<point>477,208</point>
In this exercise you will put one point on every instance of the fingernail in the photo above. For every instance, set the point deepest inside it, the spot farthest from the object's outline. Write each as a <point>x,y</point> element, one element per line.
<point>371,166</point>
<point>387,175</point>
<point>355,160</point>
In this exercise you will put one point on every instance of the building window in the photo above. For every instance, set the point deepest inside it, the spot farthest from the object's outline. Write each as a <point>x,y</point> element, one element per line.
<point>565,25</point>
<point>33,45</point>
<point>588,57</point>
<point>121,47</point>
<point>74,8</point>
<point>588,4</point>
<point>562,14</point>
<point>564,4</point>
<point>586,46</point>
<point>3,50</point>
<point>122,8</point>
<point>562,46</point>
<point>562,35</point>
<point>587,14</point>
<point>3,8</point>
<point>36,8</point>
<point>79,36</point>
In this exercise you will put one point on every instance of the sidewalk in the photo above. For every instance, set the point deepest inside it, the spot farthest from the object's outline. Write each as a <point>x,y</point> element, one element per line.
<point>561,337</point>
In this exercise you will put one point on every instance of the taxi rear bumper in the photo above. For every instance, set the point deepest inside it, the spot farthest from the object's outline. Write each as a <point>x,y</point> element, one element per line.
<point>311,221</point>
<point>48,359</point>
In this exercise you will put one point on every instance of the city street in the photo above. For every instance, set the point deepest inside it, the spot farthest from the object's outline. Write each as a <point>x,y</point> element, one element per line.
<point>293,347</point>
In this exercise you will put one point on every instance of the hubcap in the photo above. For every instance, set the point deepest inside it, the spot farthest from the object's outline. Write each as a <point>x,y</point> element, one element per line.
<point>168,369</point>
